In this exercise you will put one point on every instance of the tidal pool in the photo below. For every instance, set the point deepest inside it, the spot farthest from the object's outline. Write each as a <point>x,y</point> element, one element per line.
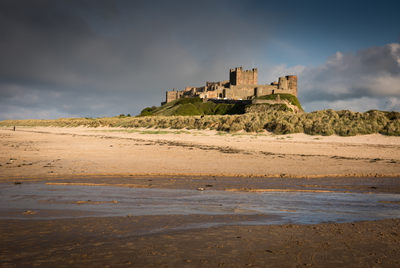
<point>42,201</point>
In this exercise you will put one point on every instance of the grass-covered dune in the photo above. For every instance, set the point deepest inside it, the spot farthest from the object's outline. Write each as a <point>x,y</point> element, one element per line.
<point>326,122</point>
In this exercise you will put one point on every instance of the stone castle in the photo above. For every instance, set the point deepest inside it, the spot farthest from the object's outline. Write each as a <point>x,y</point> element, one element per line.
<point>242,85</point>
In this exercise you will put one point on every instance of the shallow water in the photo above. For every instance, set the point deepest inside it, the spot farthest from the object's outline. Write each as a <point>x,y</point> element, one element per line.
<point>56,202</point>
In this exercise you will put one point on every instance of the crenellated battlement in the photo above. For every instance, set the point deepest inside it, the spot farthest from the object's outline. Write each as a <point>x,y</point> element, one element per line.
<point>239,77</point>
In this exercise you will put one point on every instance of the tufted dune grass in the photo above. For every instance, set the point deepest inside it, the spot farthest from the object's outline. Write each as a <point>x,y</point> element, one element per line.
<point>324,122</point>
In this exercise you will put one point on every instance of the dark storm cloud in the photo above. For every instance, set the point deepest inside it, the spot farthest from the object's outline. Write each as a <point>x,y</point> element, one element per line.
<point>367,79</point>
<point>98,58</point>
<point>104,58</point>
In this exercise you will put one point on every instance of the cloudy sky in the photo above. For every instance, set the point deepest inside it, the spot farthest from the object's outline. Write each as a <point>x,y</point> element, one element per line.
<point>103,58</point>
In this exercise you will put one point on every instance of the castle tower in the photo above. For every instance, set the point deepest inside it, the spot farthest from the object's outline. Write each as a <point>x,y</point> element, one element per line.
<point>288,84</point>
<point>239,77</point>
<point>255,76</point>
<point>282,83</point>
<point>292,84</point>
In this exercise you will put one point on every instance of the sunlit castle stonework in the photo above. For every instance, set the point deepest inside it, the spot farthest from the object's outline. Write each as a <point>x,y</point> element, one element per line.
<point>242,85</point>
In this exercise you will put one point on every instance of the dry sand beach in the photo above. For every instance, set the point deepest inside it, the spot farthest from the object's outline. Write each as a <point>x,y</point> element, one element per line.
<point>58,152</point>
<point>182,160</point>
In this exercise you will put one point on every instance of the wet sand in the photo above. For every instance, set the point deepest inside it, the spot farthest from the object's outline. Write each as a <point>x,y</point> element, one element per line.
<point>198,160</point>
<point>201,240</point>
<point>110,242</point>
<point>44,201</point>
<point>245,184</point>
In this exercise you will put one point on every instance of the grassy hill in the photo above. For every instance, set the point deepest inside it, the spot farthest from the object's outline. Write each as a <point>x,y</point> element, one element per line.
<point>195,106</point>
<point>289,97</point>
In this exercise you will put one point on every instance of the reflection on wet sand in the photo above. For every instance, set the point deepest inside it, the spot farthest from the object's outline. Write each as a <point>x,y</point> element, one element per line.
<point>87,223</point>
<point>287,205</point>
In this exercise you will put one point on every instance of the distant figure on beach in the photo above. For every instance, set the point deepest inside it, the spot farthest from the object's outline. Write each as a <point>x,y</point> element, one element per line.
<point>14,128</point>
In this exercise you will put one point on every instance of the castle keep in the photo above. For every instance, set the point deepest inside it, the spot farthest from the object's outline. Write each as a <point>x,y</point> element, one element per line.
<point>242,85</point>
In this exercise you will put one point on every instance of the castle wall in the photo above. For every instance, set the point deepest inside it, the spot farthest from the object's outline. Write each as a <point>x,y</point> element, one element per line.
<point>285,91</point>
<point>241,85</point>
<point>173,95</point>
<point>219,83</point>
<point>240,92</point>
<point>209,95</point>
<point>170,96</point>
<point>262,90</point>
